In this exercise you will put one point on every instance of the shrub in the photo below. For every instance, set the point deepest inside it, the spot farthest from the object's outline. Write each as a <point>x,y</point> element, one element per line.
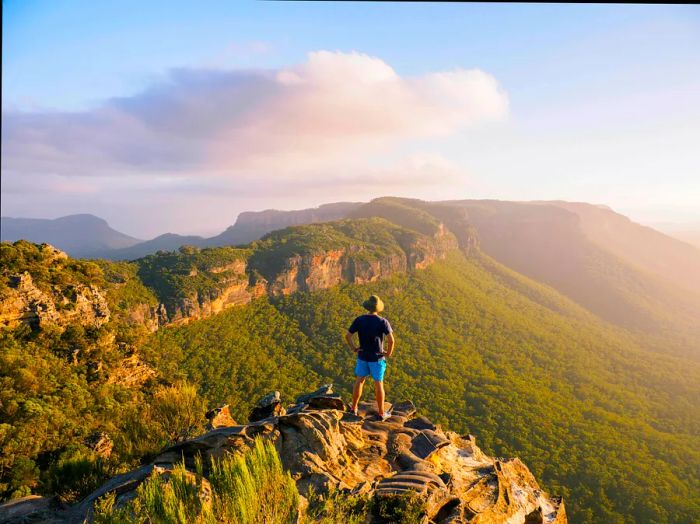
<point>76,473</point>
<point>251,488</point>
<point>336,506</point>
<point>407,508</point>
<point>178,410</point>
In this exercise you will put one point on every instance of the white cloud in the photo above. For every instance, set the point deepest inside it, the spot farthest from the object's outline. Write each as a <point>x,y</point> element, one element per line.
<point>204,144</point>
<point>265,122</point>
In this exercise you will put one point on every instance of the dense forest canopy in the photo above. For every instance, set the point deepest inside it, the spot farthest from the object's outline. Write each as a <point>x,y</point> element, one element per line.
<point>599,409</point>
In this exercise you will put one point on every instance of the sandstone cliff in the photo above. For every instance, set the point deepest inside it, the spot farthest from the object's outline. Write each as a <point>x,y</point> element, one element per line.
<point>323,446</point>
<point>197,283</point>
<point>23,301</point>
<point>358,264</point>
<point>385,237</point>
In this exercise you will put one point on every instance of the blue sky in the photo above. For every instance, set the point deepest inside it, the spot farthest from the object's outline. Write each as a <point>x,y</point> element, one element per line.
<point>603,104</point>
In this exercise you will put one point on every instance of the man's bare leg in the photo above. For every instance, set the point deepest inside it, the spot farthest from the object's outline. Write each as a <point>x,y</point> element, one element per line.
<point>379,395</point>
<point>357,391</point>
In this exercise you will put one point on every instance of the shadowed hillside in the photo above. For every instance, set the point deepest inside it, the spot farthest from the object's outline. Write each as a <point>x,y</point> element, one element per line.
<point>80,235</point>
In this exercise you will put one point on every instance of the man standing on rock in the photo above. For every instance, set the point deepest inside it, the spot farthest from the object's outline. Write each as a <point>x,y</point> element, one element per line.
<point>371,330</point>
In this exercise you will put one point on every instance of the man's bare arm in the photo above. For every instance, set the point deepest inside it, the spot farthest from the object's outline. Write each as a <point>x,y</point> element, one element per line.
<point>390,342</point>
<point>350,343</point>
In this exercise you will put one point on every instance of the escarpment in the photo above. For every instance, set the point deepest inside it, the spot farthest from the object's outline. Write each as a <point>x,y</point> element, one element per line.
<point>194,283</point>
<point>324,447</point>
<point>358,264</point>
<point>25,302</point>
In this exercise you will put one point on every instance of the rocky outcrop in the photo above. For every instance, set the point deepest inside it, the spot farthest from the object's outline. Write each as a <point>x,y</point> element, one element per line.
<point>324,270</point>
<point>150,317</point>
<point>324,446</point>
<point>357,265</point>
<point>131,372</point>
<point>220,418</point>
<point>24,302</point>
<point>230,287</point>
<point>234,292</point>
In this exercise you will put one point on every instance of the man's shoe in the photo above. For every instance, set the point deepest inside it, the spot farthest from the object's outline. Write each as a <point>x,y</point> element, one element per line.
<point>384,416</point>
<point>353,411</point>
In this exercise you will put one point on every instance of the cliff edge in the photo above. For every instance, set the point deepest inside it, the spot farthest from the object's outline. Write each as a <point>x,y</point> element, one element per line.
<point>323,447</point>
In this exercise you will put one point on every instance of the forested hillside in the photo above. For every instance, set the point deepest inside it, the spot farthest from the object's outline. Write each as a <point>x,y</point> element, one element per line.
<point>128,356</point>
<point>552,244</point>
<point>611,426</point>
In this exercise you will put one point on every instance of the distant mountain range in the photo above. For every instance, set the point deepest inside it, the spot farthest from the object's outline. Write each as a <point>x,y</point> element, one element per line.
<point>626,273</point>
<point>84,236</point>
<point>561,332</point>
<point>88,236</point>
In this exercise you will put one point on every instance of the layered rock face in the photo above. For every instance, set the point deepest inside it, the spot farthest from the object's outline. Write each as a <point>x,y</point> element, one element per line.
<point>234,292</point>
<point>196,283</point>
<point>325,269</point>
<point>25,302</point>
<point>323,446</point>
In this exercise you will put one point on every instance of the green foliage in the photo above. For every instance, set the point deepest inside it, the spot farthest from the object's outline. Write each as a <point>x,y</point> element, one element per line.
<point>337,506</point>
<point>235,357</point>
<point>404,212</point>
<point>251,488</point>
<point>76,472</point>
<point>49,406</point>
<point>597,418</point>
<point>177,499</point>
<point>191,272</point>
<point>48,268</point>
<point>406,508</point>
<point>54,381</point>
<point>254,488</point>
<point>131,303</point>
<point>370,239</point>
<point>178,411</point>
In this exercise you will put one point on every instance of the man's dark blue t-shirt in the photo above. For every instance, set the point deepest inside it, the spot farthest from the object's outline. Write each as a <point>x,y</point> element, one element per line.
<point>371,329</point>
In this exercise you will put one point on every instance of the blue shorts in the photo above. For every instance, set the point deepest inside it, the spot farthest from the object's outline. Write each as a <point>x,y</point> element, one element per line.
<point>376,369</point>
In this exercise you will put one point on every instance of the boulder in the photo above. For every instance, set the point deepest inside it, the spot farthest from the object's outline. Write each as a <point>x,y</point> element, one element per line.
<point>268,406</point>
<point>327,402</point>
<point>100,443</point>
<point>220,418</point>
<point>323,391</point>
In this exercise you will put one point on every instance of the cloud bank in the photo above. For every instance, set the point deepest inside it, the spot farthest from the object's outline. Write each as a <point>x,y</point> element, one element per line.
<point>214,121</point>
<point>336,116</point>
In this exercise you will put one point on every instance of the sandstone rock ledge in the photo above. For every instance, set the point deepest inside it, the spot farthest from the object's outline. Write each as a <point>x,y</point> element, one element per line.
<point>324,446</point>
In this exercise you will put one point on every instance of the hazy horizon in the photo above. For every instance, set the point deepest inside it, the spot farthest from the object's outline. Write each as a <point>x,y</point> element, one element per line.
<point>186,116</point>
<point>663,226</point>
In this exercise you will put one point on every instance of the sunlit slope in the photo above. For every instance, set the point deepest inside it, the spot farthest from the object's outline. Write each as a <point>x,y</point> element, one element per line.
<point>644,247</point>
<point>613,427</point>
<point>548,244</point>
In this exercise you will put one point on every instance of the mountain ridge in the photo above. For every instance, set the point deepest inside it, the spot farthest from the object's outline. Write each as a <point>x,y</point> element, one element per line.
<point>81,234</point>
<point>508,351</point>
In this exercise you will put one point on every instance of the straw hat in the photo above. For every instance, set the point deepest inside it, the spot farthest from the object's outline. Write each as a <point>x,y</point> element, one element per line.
<point>373,304</point>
